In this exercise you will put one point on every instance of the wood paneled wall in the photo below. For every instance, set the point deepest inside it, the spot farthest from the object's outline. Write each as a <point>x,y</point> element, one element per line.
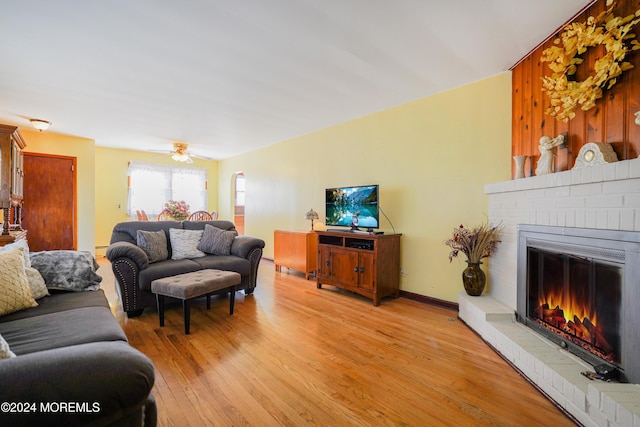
<point>611,120</point>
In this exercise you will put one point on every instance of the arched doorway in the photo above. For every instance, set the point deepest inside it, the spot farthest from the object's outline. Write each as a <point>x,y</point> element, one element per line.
<point>238,202</point>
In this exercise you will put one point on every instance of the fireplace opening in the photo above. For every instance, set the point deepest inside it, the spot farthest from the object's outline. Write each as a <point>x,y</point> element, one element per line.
<point>578,299</point>
<point>580,289</point>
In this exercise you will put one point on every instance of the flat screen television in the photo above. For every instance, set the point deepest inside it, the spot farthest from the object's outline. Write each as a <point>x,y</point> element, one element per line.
<point>352,207</point>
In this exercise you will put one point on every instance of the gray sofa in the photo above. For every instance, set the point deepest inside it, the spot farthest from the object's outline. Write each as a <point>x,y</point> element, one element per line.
<point>134,273</point>
<point>73,366</point>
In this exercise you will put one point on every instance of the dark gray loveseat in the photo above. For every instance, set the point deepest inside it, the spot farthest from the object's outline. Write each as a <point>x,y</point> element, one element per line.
<point>134,273</point>
<point>73,366</point>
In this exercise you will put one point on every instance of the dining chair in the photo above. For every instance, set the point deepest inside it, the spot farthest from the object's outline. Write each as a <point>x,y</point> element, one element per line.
<point>142,216</point>
<point>200,216</point>
<point>163,215</point>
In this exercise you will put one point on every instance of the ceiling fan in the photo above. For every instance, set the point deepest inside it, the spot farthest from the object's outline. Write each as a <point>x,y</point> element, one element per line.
<point>181,153</point>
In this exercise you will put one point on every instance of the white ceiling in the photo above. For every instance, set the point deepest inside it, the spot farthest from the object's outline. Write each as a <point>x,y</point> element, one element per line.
<point>230,76</point>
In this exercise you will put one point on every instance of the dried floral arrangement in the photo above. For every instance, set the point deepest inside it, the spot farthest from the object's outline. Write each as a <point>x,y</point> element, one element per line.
<point>476,243</point>
<point>177,209</point>
<point>606,30</point>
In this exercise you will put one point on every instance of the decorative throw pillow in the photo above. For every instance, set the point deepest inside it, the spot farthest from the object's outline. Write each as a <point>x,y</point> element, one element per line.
<point>67,270</point>
<point>16,245</point>
<point>216,241</point>
<point>5,352</point>
<point>36,283</point>
<point>184,243</point>
<point>34,278</point>
<point>15,294</point>
<point>154,244</point>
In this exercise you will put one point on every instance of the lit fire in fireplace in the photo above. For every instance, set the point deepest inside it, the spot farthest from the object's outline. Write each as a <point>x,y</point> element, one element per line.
<point>578,287</point>
<point>571,306</point>
<point>574,321</point>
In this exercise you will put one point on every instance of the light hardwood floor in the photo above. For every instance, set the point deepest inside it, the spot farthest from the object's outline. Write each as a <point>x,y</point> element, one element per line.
<point>295,355</point>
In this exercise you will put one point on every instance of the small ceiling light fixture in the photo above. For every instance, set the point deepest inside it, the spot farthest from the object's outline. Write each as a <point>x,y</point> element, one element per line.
<point>180,153</point>
<point>40,124</point>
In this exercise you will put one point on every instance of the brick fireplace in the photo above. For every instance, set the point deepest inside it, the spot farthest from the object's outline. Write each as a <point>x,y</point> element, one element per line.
<point>603,197</point>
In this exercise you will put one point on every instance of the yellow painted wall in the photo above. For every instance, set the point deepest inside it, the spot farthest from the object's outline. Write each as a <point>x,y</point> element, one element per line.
<point>111,186</point>
<point>430,157</point>
<point>84,150</point>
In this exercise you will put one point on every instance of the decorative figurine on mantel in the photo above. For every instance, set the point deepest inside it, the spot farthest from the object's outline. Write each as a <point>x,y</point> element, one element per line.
<point>547,149</point>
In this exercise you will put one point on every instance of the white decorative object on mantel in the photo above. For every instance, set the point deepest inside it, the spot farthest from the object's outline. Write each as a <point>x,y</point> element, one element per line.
<point>520,161</point>
<point>547,149</point>
<point>595,153</point>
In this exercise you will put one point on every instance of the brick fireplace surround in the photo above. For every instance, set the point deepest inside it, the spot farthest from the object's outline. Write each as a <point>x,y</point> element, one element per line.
<point>603,197</point>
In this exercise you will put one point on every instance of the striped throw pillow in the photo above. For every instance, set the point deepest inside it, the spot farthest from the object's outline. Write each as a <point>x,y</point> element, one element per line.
<point>154,244</point>
<point>216,241</point>
<point>184,243</point>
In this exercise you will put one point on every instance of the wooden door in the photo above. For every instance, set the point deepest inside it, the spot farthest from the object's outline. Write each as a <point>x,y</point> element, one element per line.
<point>49,209</point>
<point>344,266</point>
<point>324,262</point>
<point>366,271</point>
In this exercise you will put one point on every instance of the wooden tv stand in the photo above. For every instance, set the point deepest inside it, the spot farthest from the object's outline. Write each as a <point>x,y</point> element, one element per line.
<point>367,264</point>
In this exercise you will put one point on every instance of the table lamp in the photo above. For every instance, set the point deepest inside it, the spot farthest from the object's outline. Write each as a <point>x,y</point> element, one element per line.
<point>311,214</point>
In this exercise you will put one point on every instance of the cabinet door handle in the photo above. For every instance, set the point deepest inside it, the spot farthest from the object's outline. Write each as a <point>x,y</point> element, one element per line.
<point>355,268</point>
<point>326,263</point>
<point>361,269</point>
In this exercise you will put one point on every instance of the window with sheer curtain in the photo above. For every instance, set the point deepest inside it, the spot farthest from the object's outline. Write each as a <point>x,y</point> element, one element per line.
<point>151,186</point>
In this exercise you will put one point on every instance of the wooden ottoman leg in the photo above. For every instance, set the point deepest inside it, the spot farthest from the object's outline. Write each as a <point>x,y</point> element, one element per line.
<point>232,299</point>
<point>160,302</point>
<point>186,304</point>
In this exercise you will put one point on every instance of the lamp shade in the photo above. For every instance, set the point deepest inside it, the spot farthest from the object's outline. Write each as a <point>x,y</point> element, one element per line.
<point>181,158</point>
<point>311,214</point>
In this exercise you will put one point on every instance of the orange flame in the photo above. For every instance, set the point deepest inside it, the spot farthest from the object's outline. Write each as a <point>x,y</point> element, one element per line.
<point>570,304</point>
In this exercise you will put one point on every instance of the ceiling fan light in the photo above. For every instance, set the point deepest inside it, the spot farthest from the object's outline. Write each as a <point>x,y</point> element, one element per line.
<point>40,124</point>
<point>180,153</point>
<point>180,157</point>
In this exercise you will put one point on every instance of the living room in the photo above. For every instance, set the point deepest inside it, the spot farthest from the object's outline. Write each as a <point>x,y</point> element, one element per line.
<point>432,158</point>
<point>417,182</point>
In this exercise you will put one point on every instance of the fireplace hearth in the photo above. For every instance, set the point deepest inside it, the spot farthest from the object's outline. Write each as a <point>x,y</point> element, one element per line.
<point>580,288</point>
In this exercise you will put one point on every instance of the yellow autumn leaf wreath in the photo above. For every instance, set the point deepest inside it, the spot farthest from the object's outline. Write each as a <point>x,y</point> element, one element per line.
<point>607,30</point>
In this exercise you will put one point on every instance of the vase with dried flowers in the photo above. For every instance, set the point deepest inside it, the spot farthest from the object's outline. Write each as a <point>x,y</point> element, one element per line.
<point>476,243</point>
<point>177,210</point>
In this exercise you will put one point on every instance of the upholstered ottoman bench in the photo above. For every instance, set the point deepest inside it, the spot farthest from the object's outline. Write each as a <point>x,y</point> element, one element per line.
<point>192,285</point>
